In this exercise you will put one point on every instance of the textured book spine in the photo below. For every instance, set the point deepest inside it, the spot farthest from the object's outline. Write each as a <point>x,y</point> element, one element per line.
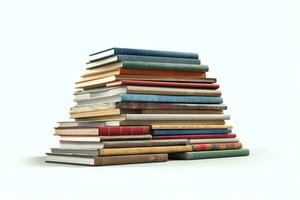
<point>144,150</point>
<point>165,66</point>
<point>132,159</point>
<point>216,146</point>
<point>191,131</point>
<point>170,98</point>
<point>170,84</point>
<point>209,154</point>
<point>145,52</point>
<point>123,130</point>
<point>232,135</point>
<point>157,59</point>
<point>169,106</point>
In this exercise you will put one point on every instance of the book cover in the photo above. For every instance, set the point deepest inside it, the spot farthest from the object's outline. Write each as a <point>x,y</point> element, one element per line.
<point>208,154</point>
<point>209,136</point>
<point>190,131</point>
<point>213,140</point>
<point>107,160</point>
<point>141,52</point>
<point>170,106</point>
<point>144,143</point>
<point>144,150</point>
<point>217,146</point>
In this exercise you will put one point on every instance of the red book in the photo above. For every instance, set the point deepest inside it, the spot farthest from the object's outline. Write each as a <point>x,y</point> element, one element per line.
<point>217,146</point>
<point>102,131</point>
<point>165,84</point>
<point>231,135</point>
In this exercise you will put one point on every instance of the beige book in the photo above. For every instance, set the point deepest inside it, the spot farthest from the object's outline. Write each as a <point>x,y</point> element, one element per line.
<point>145,150</point>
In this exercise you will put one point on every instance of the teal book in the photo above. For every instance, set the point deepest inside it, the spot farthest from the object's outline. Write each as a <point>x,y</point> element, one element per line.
<point>165,66</point>
<point>195,155</point>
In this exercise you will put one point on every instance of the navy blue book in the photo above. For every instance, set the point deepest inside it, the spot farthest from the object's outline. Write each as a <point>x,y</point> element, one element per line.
<point>141,52</point>
<point>171,98</point>
<point>191,131</point>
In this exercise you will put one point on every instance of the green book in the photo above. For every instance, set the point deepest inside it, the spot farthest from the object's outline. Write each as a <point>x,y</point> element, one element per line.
<point>194,155</point>
<point>165,66</point>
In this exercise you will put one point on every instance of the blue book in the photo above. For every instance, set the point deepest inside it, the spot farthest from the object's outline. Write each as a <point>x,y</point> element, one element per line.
<point>171,98</point>
<point>191,131</point>
<point>141,52</point>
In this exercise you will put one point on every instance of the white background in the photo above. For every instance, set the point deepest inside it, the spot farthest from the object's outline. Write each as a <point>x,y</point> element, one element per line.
<point>252,47</point>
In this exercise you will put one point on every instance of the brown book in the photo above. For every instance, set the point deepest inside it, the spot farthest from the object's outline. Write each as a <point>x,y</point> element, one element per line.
<point>144,143</point>
<point>144,150</point>
<point>107,160</point>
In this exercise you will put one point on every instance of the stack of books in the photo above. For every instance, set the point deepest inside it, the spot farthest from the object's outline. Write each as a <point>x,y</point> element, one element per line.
<point>139,106</point>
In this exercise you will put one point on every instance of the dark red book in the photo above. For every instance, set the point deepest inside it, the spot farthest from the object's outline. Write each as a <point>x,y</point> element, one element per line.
<point>102,130</point>
<point>232,135</point>
<point>165,84</point>
<point>217,146</point>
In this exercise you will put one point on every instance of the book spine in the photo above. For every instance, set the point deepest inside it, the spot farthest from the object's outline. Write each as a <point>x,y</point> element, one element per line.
<point>165,66</point>
<point>170,98</point>
<point>232,135</point>
<point>217,146</point>
<point>132,159</point>
<point>191,131</point>
<point>157,59</point>
<point>145,143</point>
<point>144,150</point>
<point>169,106</point>
<point>209,154</point>
<point>126,137</point>
<point>170,84</point>
<point>144,52</point>
<point>123,130</point>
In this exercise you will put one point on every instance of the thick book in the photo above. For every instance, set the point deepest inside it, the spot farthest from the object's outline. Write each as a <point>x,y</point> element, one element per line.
<point>170,106</point>
<point>133,89</point>
<point>103,130</point>
<point>144,150</point>
<point>208,154</point>
<point>107,160</point>
<point>164,84</point>
<point>216,146</point>
<point>103,72</point>
<point>141,52</point>
<point>144,143</point>
<point>208,136</point>
<point>187,126</point>
<point>158,117</point>
<point>119,58</point>
<point>190,131</point>
<point>212,140</point>
<point>152,98</point>
<point>104,138</point>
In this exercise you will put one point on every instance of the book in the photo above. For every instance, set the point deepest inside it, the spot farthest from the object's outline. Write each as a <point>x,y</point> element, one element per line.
<point>113,70</point>
<point>104,138</point>
<point>163,84</point>
<point>158,117</point>
<point>101,82</point>
<point>217,146</point>
<point>141,52</point>
<point>86,123</point>
<point>80,145</point>
<point>132,89</point>
<point>208,154</point>
<point>212,140</point>
<point>107,160</point>
<point>102,130</point>
<point>208,136</point>
<point>200,126</point>
<point>168,122</point>
<point>148,111</point>
<point>153,98</point>
<point>118,58</point>
<point>144,143</point>
<point>169,106</point>
<point>190,131</point>
<point>144,150</point>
